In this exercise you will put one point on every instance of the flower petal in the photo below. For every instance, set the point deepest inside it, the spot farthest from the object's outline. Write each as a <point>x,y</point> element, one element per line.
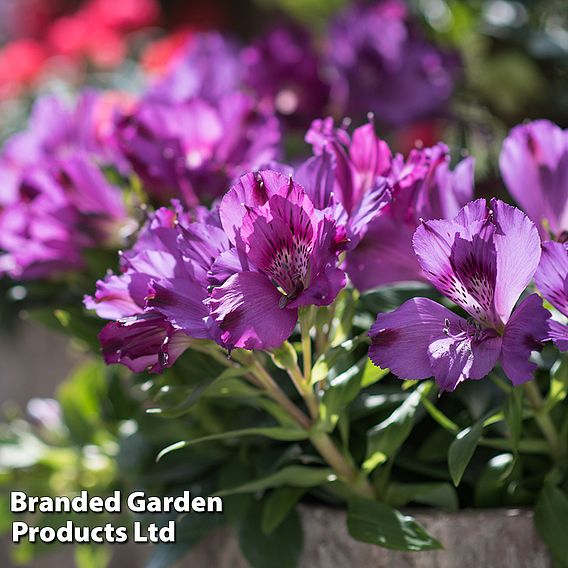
<point>534,165</point>
<point>252,190</point>
<point>146,342</point>
<point>517,245</point>
<point>247,310</point>
<point>180,301</point>
<point>384,255</point>
<point>551,277</point>
<point>524,332</point>
<point>456,359</point>
<point>422,339</point>
<point>558,332</point>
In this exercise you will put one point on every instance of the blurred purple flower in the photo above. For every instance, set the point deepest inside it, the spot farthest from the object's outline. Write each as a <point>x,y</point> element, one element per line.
<point>195,149</point>
<point>482,260</point>
<point>551,279</point>
<point>283,69</point>
<point>209,68</point>
<point>534,165</point>
<point>59,209</point>
<point>383,65</point>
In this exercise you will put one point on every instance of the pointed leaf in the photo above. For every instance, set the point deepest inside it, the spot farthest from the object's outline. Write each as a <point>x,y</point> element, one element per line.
<point>275,432</point>
<point>377,523</point>
<point>462,449</point>
<point>551,520</point>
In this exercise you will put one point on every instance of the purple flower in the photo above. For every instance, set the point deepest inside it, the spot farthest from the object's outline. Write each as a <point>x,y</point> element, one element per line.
<point>208,68</point>
<point>551,279</point>
<point>384,65</point>
<point>158,277</point>
<point>482,260</point>
<point>57,129</point>
<point>59,208</point>
<point>284,257</point>
<point>283,69</point>
<point>194,149</point>
<point>420,187</point>
<point>534,165</point>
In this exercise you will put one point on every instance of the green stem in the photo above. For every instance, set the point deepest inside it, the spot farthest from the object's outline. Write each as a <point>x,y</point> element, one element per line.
<point>320,440</point>
<point>305,390</point>
<point>305,317</point>
<point>276,393</point>
<point>542,418</point>
<point>347,471</point>
<point>526,446</point>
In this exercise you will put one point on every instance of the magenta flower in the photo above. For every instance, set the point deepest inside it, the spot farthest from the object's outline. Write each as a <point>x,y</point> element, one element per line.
<point>59,208</point>
<point>146,335</point>
<point>551,279</point>
<point>383,65</point>
<point>283,69</point>
<point>195,149</point>
<point>420,187</point>
<point>482,260</point>
<point>285,257</point>
<point>208,68</point>
<point>534,165</point>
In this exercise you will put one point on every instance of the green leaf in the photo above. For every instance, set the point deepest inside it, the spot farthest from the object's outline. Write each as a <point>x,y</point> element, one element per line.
<point>285,357</point>
<point>277,506</point>
<point>558,384</point>
<point>274,432</point>
<point>334,361</point>
<point>293,476</point>
<point>551,520</point>
<point>279,549</point>
<point>441,495</point>
<point>82,397</point>
<point>492,485</point>
<point>462,449</point>
<point>341,391</point>
<point>372,374</point>
<point>385,439</point>
<point>435,412</point>
<point>190,529</point>
<point>172,405</point>
<point>377,523</point>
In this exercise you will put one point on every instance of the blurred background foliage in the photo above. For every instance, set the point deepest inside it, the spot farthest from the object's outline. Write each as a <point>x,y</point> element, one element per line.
<point>514,67</point>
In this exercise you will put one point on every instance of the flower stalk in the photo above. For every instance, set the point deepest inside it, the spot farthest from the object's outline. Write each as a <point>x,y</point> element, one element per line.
<point>543,420</point>
<point>328,450</point>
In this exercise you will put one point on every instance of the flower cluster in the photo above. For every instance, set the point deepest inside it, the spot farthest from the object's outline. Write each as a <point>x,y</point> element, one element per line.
<point>237,274</point>
<point>194,131</point>
<point>242,244</point>
<point>376,48</point>
<point>55,200</point>
<point>373,59</point>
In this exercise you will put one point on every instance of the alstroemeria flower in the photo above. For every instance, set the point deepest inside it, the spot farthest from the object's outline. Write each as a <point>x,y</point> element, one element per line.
<point>59,208</point>
<point>482,260</point>
<point>208,68</point>
<point>383,65</point>
<point>534,165</point>
<point>147,333</point>
<point>285,257</point>
<point>420,187</point>
<point>551,279</point>
<point>283,69</point>
<point>195,149</point>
